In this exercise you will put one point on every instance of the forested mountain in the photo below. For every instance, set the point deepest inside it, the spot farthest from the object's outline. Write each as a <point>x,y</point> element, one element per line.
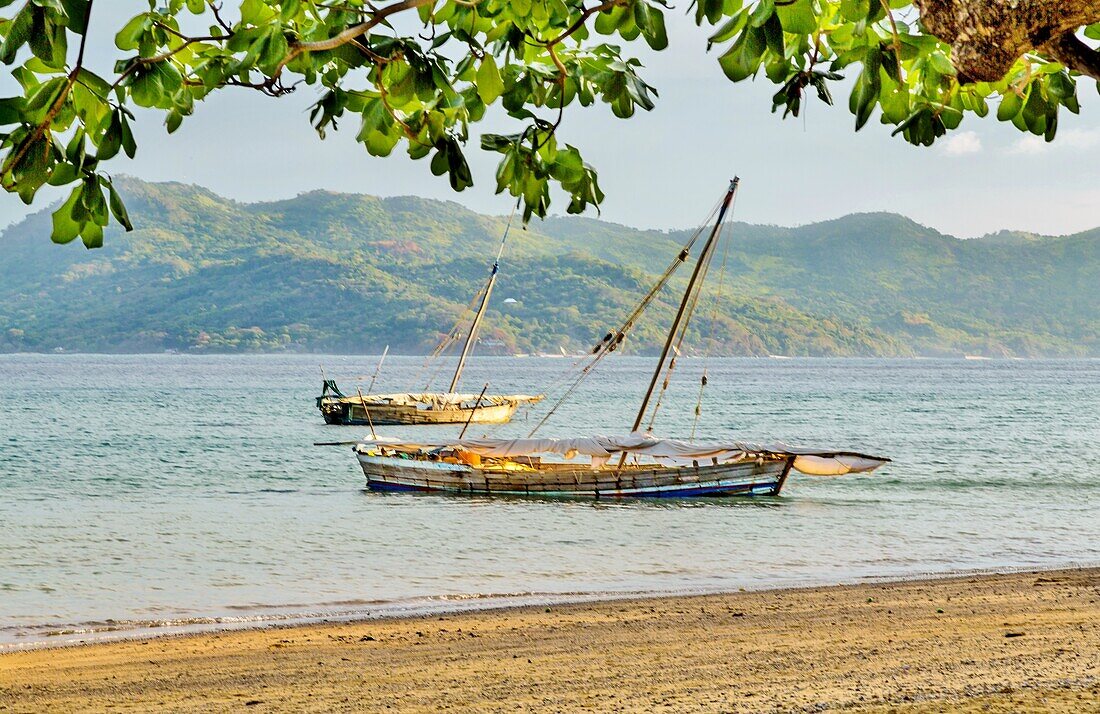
<point>351,273</point>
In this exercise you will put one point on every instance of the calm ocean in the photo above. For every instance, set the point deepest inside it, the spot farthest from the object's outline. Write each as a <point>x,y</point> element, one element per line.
<point>175,491</point>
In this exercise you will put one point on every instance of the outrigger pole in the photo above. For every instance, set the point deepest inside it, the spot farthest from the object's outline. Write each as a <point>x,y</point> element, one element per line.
<point>704,256</point>
<point>481,309</point>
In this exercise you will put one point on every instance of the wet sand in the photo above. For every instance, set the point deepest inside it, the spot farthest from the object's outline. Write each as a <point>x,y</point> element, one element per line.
<point>1000,643</point>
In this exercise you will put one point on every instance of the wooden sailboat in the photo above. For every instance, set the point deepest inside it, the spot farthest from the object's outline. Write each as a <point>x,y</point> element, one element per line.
<point>420,408</point>
<point>450,407</point>
<point>638,464</point>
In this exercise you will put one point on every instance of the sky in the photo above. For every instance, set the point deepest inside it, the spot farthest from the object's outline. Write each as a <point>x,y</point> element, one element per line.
<point>659,169</point>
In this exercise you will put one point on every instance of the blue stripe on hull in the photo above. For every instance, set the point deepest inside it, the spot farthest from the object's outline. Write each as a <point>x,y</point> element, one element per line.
<point>747,490</point>
<point>384,486</point>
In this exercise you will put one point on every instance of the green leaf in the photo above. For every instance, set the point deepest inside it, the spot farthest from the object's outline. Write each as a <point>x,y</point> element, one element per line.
<point>118,209</point>
<point>941,64</point>
<point>608,20</point>
<point>657,37</point>
<point>1061,86</point>
<point>93,201</point>
<point>128,143</point>
<point>129,37</point>
<point>743,57</point>
<point>76,14</point>
<point>489,84</point>
<point>1010,106</point>
<point>65,228</point>
<point>760,14</point>
<point>173,121</point>
<point>797,17</point>
<point>855,10</point>
<point>275,49</point>
<point>864,96</point>
<point>11,110</point>
<point>730,28</point>
<point>379,143</point>
<point>773,36</point>
<point>642,17</point>
<point>63,174</point>
<point>18,33</point>
<point>93,82</point>
<point>42,98</point>
<point>48,39</point>
<point>111,141</point>
<point>92,235</point>
<point>75,150</point>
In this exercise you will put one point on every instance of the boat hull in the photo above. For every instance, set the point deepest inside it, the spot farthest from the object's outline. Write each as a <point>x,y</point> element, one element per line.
<point>348,413</point>
<point>760,477</point>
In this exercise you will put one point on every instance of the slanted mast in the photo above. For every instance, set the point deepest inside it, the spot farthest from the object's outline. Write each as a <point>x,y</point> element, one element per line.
<point>700,266</point>
<point>481,308</point>
<point>426,407</point>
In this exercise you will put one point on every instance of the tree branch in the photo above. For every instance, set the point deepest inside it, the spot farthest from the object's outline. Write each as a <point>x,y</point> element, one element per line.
<point>55,109</point>
<point>354,31</point>
<point>346,36</point>
<point>988,36</point>
<point>1075,54</point>
<point>84,37</point>
<point>587,13</point>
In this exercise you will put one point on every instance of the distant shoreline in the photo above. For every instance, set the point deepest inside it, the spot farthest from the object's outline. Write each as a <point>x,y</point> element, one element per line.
<point>990,642</point>
<point>640,355</point>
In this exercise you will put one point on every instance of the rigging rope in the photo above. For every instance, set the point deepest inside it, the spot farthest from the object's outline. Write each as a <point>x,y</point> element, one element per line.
<point>694,301</point>
<point>614,339</point>
<point>710,338</point>
<point>677,351</point>
<point>452,337</point>
<point>445,344</point>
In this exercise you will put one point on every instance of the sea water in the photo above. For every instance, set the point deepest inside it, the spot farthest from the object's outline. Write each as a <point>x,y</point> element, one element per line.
<point>158,493</point>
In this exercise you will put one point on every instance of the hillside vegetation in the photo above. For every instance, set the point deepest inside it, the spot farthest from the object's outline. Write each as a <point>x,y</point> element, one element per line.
<point>351,273</point>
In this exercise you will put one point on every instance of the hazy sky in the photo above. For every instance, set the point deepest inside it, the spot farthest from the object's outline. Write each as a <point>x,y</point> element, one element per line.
<point>660,169</point>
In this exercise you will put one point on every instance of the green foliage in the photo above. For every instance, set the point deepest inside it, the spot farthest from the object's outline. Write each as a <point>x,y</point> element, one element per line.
<point>336,272</point>
<point>900,70</point>
<point>422,91</point>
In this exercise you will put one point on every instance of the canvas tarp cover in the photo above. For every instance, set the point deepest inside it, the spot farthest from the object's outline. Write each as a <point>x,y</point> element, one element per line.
<point>815,462</point>
<point>436,400</point>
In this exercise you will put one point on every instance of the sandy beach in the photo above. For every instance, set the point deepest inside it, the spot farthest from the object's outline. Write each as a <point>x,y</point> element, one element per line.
<point>999,642</point>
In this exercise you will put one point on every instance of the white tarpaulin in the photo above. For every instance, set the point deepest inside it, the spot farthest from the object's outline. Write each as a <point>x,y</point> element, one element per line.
<point>816,462</point>
<point>444,400</point>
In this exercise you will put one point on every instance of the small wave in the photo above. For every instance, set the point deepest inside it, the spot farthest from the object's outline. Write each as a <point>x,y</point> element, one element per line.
<point>262,616</point>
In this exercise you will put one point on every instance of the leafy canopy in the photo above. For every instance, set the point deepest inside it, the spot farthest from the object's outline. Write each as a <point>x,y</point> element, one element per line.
<point>417,73</point>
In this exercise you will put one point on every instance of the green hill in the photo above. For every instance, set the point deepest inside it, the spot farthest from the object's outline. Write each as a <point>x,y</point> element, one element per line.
<point>350,273</point>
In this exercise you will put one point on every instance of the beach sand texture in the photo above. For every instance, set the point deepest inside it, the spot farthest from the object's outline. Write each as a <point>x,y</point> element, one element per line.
<point>1001,643</point>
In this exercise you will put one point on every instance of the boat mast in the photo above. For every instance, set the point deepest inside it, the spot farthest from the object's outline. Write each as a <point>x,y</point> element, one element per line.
<point>699,264</point>
<point>480,310</point>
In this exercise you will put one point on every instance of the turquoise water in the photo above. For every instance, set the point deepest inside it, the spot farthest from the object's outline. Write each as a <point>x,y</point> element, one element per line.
<point>170,490</point>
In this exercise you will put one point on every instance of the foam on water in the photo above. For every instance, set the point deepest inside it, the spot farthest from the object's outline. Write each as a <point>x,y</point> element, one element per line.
<point>163,493</point>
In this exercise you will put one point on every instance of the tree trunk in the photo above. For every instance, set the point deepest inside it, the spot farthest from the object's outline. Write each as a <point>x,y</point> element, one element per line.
<point>988,36</point>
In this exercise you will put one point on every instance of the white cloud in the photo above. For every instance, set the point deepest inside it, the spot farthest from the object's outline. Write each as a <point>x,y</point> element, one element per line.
<point>1075,139</point>
<point>965,142</point>
<point>1078,138</point>
<point>1029,145</point>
